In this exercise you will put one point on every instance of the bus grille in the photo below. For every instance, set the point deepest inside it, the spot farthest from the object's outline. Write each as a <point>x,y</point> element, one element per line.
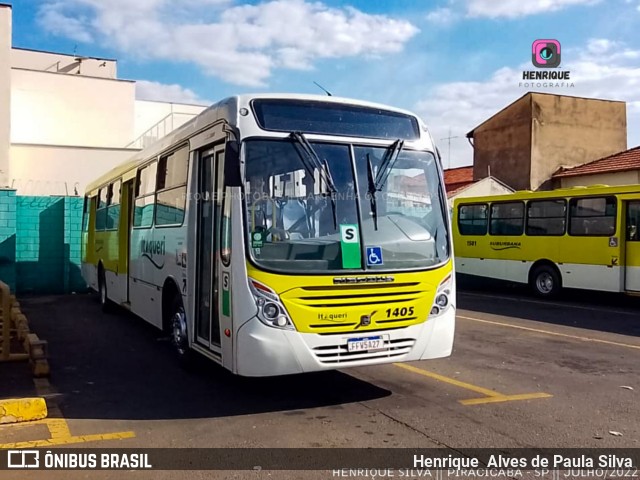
<point>353,297</point>
<point>339,355</point>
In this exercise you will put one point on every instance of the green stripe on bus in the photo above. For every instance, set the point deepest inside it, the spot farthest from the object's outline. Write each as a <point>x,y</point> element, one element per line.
<point>226,303</point>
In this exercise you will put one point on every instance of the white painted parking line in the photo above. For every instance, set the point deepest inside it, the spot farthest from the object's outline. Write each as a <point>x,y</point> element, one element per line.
<point>549,332</point>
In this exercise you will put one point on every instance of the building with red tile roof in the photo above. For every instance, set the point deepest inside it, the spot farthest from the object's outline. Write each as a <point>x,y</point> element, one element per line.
<point>622,168</point>
<point>457,178</point>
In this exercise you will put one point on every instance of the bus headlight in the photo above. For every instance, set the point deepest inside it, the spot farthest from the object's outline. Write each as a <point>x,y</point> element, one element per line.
<point>271,312</point>
<point>441,301</point>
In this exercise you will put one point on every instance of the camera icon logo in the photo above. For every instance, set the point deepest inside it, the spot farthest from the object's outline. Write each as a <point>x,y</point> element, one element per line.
<point>546,53</point>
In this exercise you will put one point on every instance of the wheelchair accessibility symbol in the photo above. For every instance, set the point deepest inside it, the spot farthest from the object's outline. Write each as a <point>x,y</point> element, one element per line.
<point>374,256</point>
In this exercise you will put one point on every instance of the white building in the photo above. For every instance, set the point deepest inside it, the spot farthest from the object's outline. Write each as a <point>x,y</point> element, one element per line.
<point>482,188</point>
<point>460,184</point>
<point>66,119</point>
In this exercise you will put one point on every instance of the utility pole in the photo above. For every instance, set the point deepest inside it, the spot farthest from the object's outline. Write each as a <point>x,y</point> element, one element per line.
<point>448,139</point>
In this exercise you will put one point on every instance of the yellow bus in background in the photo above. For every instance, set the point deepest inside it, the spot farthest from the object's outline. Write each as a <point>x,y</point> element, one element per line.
<point>280,234</point>
<point>582,237</point>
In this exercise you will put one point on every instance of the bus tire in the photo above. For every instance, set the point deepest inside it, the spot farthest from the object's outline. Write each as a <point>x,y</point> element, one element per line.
<point>103,297</point>
<point>179,333</point>
<point>545,281</point>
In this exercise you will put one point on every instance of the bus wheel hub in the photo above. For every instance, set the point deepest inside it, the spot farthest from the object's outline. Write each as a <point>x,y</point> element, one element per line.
<point>545,282</point>
<point>180,331</point>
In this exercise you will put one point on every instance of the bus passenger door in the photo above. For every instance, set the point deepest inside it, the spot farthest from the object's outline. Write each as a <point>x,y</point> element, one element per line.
<point>207,321</point>
<point>632,247</point>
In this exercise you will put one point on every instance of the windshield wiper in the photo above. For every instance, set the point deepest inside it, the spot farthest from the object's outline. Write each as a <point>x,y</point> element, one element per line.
<point>376,184</point>
<point>311,163</point>
<point>387,163</point>
<point>371,191</point>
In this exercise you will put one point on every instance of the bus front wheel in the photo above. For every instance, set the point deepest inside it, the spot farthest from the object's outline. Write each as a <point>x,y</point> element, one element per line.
<point>179,332</point>
<point>105,304</point>
<point>545,281</point>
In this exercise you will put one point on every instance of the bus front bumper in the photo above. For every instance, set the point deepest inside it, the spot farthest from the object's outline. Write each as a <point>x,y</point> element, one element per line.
<point>266,351</point>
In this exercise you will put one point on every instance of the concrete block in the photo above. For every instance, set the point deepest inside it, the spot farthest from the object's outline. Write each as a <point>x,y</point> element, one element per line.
<point>14,410</point>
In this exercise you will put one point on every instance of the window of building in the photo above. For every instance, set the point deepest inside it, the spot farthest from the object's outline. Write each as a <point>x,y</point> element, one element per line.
<point>145,196</point>
<point>546,217</point>
<point>507,218</point>
<point>594,216</point>
<point>472,219</point>
<point>172,187</point>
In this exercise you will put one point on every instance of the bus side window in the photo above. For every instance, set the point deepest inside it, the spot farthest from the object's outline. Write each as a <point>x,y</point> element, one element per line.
<point>145,196</point>
<point>101,209</point>
<point>546,217</point>
<point>507,218</point>
<point>172,187</point>
<point>593,216</point>
<point>473,219</point>
<point>113,206</point>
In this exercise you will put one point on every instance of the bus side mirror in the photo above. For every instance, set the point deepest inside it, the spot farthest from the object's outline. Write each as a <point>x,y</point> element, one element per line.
<point>232,164</point>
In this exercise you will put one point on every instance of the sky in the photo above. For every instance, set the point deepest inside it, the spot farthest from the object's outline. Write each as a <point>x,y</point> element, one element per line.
<point>453,62</point>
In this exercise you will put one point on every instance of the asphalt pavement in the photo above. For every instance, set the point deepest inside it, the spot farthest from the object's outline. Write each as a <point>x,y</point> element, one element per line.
<point>524,373</point>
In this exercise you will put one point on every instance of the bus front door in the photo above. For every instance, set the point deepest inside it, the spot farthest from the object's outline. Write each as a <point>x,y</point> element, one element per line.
<point>207,322</point>
<point>632,247</point>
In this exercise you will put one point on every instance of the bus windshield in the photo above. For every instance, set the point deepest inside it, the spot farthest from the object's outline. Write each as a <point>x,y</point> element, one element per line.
<point>305,215</point>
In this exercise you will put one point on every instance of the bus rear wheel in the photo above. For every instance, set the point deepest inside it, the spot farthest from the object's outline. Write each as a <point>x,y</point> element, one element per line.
<point>545,281</point>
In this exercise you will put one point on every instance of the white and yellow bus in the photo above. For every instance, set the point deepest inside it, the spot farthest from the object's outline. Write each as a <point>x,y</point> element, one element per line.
<point>278,234</point>
<point>582,237</point>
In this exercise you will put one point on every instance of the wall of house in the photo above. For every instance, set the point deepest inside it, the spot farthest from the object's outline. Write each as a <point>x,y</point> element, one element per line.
<point>67,119</point>
<point>57,109</point>
<point>569,131</point>
<point>40,240</point>
<point>8,216</point>
<point>485,187</point>
<point>62,63</point>
<point>502,146</point>
<point>5,92</point>
<point>52,170</point>
<point>48,256</point>
<point>614,178</point>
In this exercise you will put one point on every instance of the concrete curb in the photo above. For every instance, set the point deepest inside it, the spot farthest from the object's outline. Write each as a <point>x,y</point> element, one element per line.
<point>14,410</point>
